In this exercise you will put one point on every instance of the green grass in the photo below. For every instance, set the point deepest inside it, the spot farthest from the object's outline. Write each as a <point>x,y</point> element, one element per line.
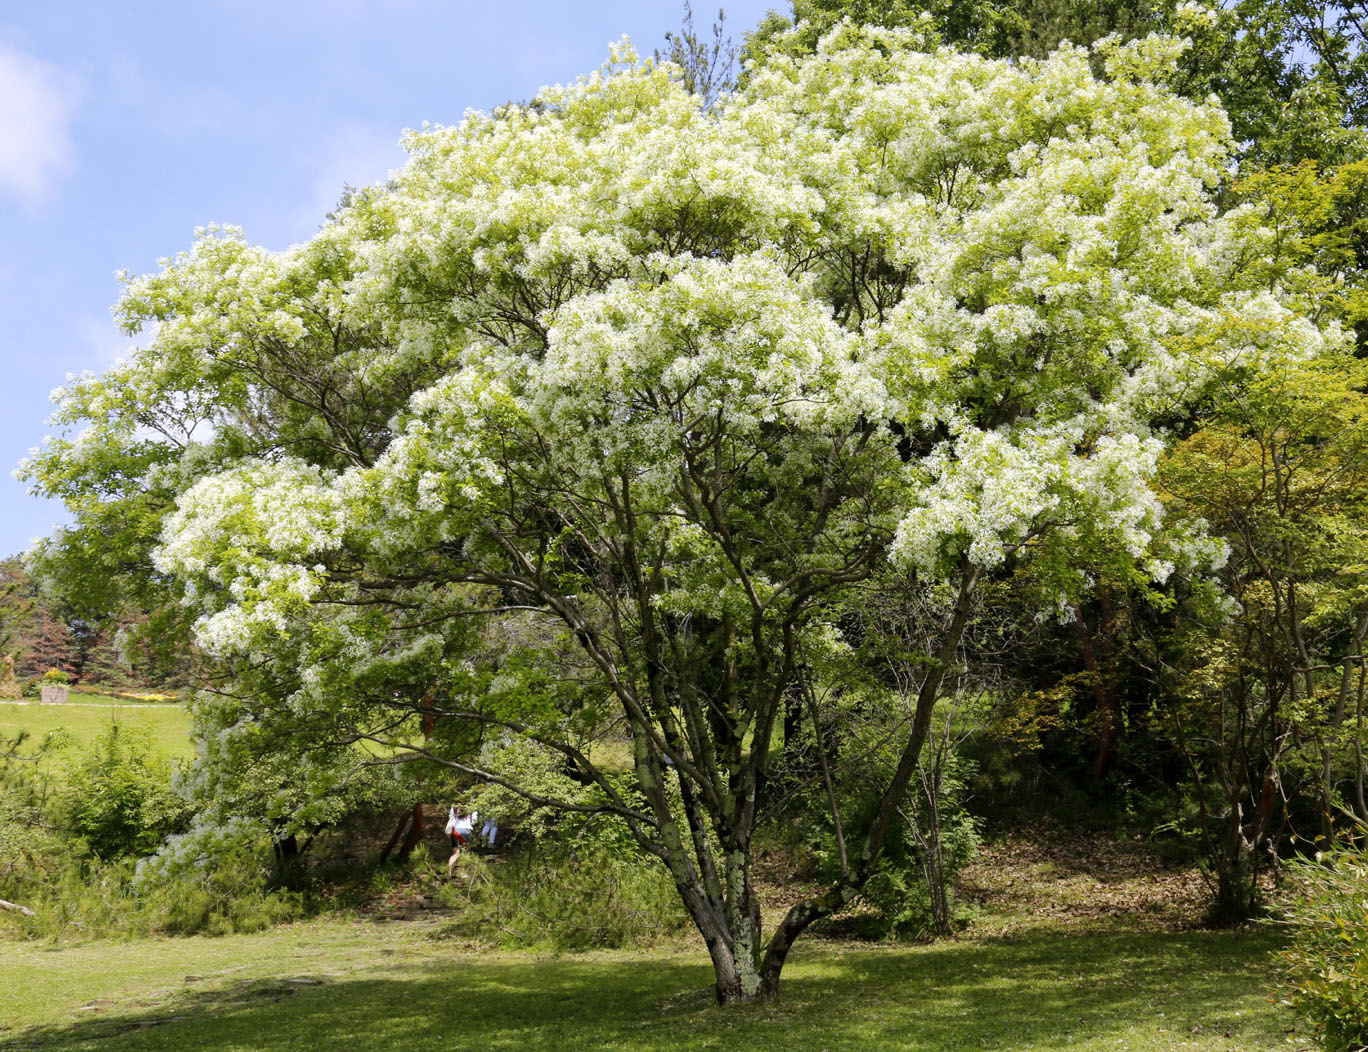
<point>85,717</point>
<point>391,986</point>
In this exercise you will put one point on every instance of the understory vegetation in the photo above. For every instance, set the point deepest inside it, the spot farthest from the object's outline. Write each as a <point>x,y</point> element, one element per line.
<point>560,883</point>
<point>1327,963</point>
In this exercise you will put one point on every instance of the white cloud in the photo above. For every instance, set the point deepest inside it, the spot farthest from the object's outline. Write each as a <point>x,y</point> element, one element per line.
<point>37,100</point>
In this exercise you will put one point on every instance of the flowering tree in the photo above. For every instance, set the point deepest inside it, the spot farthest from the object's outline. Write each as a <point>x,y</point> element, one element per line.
<point>595,415</point>
<point>1292,73</point>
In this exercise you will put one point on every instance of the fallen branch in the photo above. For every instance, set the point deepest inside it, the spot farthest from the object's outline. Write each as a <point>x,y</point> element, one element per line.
<point>15,906</point>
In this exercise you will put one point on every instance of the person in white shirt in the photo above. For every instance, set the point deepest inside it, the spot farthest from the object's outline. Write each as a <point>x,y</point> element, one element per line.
<point>460,828</point>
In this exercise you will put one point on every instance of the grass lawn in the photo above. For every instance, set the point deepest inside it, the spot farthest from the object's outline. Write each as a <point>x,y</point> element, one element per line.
<point>1079,944</point>
<point>337,983</point>
<point>86,716</point>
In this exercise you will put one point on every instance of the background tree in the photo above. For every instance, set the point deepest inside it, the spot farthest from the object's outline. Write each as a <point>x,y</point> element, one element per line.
<point>708,65</point>
<point>1317,226</point>
<point>35,632</point>
<point>1280,470</point>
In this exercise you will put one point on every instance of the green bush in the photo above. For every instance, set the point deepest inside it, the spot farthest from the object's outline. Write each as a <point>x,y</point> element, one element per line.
<point>574,880</point>
<point>90,898</point>
<point>214,879</point>
<point>900,886</point>
<point>911,892</point>
<point>74,893</point>
<point>566,899</point>
<point>26,838</point>
<point>69,856</point>
<point>230,896</point>
<point>118,799</point>
<point>1327,961</point>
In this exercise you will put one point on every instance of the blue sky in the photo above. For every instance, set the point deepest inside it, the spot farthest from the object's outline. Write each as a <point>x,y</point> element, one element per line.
<point>125,125</point>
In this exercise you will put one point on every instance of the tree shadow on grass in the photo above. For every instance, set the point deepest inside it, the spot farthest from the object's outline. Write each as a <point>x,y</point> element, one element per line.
<point>1064,991</point>
<point>1075,990</point>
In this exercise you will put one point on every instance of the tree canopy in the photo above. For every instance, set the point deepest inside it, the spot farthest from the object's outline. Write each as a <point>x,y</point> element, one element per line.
<point>1292,74</point>
<point>597,414</point>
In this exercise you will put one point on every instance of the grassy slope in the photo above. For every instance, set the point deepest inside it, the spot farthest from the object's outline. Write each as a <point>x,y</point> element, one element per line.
<point>393,987</point>
<point>84,718</point>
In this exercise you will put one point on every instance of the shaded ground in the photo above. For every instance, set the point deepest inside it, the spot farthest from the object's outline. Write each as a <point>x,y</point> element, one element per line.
<point>1080,883</point>
<point>1043,880</point>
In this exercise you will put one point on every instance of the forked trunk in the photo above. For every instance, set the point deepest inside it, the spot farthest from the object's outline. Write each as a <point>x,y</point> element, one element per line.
<point>743,977</point>
<point>736,953</point>
<point>1237,870</point>
<point>1236,898</point>
<point>738,980</point>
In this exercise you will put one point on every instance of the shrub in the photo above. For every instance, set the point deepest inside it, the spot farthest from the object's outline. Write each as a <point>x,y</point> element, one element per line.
<point>232,895</point>
<point>119,799</point>
<point>25,840</point>
<point>567,899</point>
<point>911,892</point>
<point>576,880</point>
<point>1327,961</point>
<point>75,895</point>
<point>215,878</point>
<point>914,893</point>
<point>78,873</point>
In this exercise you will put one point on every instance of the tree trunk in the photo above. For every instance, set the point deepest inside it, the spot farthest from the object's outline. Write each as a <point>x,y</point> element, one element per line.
<point>415,833</point>
<point>731,930</point>
<point>1236,891</point>
<point>795,922</point>
<point>933,865</point>
<point>738,980</point>
<point>793,733</point>
<point>404,820</point>
<point>1237,867</point>
<point>1358,740</point>
<point>738,969</point>
<point>287,857</point>
<point>1102,677</point>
